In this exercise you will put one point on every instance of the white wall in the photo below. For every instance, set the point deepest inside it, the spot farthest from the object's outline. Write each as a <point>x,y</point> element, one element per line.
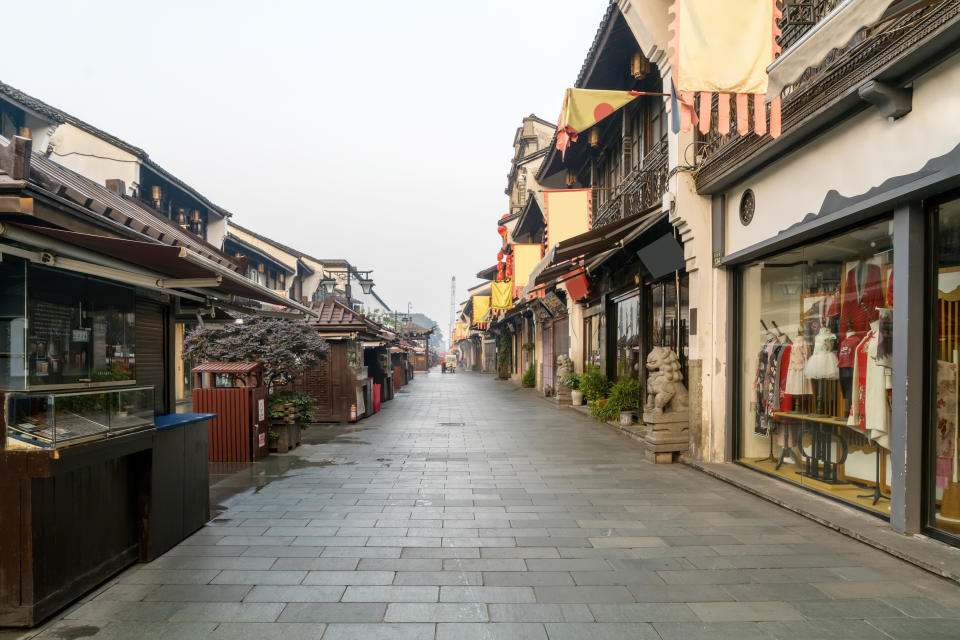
<point>862,153</point>
<point>112,163</point>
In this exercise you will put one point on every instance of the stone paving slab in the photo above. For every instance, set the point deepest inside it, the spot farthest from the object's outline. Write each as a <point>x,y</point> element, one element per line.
<point>525,522</point>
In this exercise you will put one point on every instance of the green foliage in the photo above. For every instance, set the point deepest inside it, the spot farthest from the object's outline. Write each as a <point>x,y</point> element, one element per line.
<point>529,378</point>
<point>286,348</point>
<point>528,346</point>
<point>503,353</point>
<point>624,395</point>
<point>593,383</point>
<point>603,409</point>
<point>302,403</point>
<point>572,381</point>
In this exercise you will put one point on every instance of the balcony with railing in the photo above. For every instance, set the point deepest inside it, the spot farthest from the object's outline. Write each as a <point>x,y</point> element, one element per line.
<point>640,189</point>
<point>829,85</point>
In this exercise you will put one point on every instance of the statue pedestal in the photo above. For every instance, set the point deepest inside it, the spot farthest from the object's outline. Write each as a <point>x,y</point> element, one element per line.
<point>562,396</point>
<point>667,434</point>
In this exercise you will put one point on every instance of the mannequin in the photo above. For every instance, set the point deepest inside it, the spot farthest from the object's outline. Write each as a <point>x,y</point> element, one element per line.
<point>845,358</point>
<point>822,365</point>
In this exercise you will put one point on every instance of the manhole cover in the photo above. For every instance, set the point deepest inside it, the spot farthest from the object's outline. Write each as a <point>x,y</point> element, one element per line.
<point>453,424</point>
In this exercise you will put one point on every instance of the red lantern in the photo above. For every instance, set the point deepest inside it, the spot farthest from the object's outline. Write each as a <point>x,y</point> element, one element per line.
<point>500,256</point>
<point>502,231</point>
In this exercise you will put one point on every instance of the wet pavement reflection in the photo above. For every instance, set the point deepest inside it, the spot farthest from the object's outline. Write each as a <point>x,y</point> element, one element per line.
<point>230,481</point>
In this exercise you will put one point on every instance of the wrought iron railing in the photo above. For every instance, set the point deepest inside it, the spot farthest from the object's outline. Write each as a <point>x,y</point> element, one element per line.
<point>818,87</point>
<point>640,189</point>
<point>799,16</point>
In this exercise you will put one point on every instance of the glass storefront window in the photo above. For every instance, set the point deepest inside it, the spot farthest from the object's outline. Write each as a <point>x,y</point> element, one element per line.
<point>80,329</point>
<point>592,326</point>
<point>628,337</point>
<point>816,365</point>
<point>13,324</point>
<point>943,479</point>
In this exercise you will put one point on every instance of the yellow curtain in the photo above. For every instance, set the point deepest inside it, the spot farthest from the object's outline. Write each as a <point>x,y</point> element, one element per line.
<point>501,294</point>
<point>568,214</point>
<point>525,259</point>
<point>481,304</point>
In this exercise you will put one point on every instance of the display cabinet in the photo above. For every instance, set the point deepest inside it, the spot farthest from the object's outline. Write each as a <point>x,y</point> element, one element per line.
<point>53,420</point>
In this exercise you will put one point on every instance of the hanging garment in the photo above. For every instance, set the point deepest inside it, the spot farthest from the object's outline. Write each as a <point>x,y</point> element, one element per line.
<point>848,347</point>
<point>946,436</point>
<point>862,296</point>
<point>858,391</point>
<point>779,399</point>
<point>885,338</point>
<point>876,399</point>
<point>796,384</point>
<point>760,381</point>
<point>822,365</point>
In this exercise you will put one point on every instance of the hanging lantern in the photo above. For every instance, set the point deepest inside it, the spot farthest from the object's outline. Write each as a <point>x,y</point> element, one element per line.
<point>156,194</point>
<point>571,178</point>
<point>182,219</point>
<point>500,255</point>
<point>195,216</point>
<point>639,66</point>
<point>502,230</point>
<point>283,279</point>
<point>260,267</point>
<point>594,138</point>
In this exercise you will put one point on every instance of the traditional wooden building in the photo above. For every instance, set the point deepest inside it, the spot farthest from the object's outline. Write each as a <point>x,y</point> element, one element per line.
<point>93,285</point>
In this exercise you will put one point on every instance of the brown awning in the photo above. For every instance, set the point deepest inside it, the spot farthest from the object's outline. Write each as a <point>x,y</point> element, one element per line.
<point>602,242</point>
<point>140,258</point>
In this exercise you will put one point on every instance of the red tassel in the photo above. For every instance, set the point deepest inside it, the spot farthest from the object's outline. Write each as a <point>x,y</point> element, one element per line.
<point>775,118</point>
<point>705,112</point>
<point>743,113</point>
<point>759,114</point>
<point>723,113</point>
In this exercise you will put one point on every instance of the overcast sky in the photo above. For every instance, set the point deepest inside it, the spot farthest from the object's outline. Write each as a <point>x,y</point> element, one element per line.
<point>375,131</point>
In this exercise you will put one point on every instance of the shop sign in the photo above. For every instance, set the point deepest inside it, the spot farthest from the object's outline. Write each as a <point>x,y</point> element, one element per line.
<point>554,304</point>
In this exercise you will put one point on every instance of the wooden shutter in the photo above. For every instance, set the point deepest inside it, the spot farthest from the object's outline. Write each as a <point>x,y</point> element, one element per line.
<point>151,345</point>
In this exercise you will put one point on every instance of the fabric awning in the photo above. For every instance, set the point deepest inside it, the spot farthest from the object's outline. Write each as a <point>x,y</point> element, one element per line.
<point>139,258</point>
<point>832,32</point>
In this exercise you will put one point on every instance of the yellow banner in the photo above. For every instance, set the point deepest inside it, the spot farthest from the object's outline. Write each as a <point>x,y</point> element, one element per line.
<point>568,214</point>
<point>525,258</point>
<point>501,295</point>
<point>724,48</point>
<point>481,304</point>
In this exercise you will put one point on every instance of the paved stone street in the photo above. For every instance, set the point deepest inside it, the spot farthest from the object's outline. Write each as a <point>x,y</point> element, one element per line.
<point>472,509</point>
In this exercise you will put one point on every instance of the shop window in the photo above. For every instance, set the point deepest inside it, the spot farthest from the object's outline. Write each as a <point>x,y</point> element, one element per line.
<point>816,366</point>
<point>943,472</point>
<point>13,323</point>
<point>79,329</point>
<point>628,337</point>
<point>591,340</point>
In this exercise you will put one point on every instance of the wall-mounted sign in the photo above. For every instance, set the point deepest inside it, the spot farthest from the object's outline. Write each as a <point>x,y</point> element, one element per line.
<point>262,409</point>
<point>554,304</point>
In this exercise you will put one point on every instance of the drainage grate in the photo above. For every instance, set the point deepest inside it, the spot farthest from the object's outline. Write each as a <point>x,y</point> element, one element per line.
<point>452,424</point>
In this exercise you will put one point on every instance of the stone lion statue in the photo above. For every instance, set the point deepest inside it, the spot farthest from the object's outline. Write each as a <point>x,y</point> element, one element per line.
<point>665,389</point>
<point>564,369</point>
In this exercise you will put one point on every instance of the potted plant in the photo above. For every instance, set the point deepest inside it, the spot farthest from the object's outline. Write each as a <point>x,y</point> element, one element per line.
<point>626,396</point>
<point>593,384</point>
<point>529,378</point>
<point>572,381</point>
<point>288,410</point>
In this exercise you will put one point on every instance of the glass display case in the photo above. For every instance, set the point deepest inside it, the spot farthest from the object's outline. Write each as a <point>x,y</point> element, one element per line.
<point>53,420</point>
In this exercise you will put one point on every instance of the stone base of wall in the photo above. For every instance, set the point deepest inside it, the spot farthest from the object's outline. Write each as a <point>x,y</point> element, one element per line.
<point>695,388</point>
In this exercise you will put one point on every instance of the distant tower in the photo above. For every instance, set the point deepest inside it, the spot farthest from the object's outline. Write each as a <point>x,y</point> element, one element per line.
<point>453,310</point>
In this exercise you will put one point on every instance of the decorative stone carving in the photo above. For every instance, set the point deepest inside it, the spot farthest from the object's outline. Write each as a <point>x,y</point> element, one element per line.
<point>666,412</point>
<point>564,369</point>
<point>665,390</point>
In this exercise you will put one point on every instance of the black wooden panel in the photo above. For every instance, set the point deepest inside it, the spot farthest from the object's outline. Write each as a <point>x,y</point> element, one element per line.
<point>166,494</point>
<point>83,522</point>
<point>196,477</point>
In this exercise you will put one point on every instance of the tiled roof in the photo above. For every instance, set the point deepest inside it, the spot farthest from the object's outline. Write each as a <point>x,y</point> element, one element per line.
<point>116,209</point>
<point>227,367</point>
<point>334,315</point>
<point>62,117</point>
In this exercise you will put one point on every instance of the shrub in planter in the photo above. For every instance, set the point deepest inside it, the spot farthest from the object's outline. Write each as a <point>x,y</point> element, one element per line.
<point>604,410</point>
<point>529,378</point>
<point>593,384</point>
<point>287,405</point>
<point>626,394</point>
<point>572,381</point>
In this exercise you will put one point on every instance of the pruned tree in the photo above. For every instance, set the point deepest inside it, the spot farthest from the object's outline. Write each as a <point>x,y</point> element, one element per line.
<point>285,347</point>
